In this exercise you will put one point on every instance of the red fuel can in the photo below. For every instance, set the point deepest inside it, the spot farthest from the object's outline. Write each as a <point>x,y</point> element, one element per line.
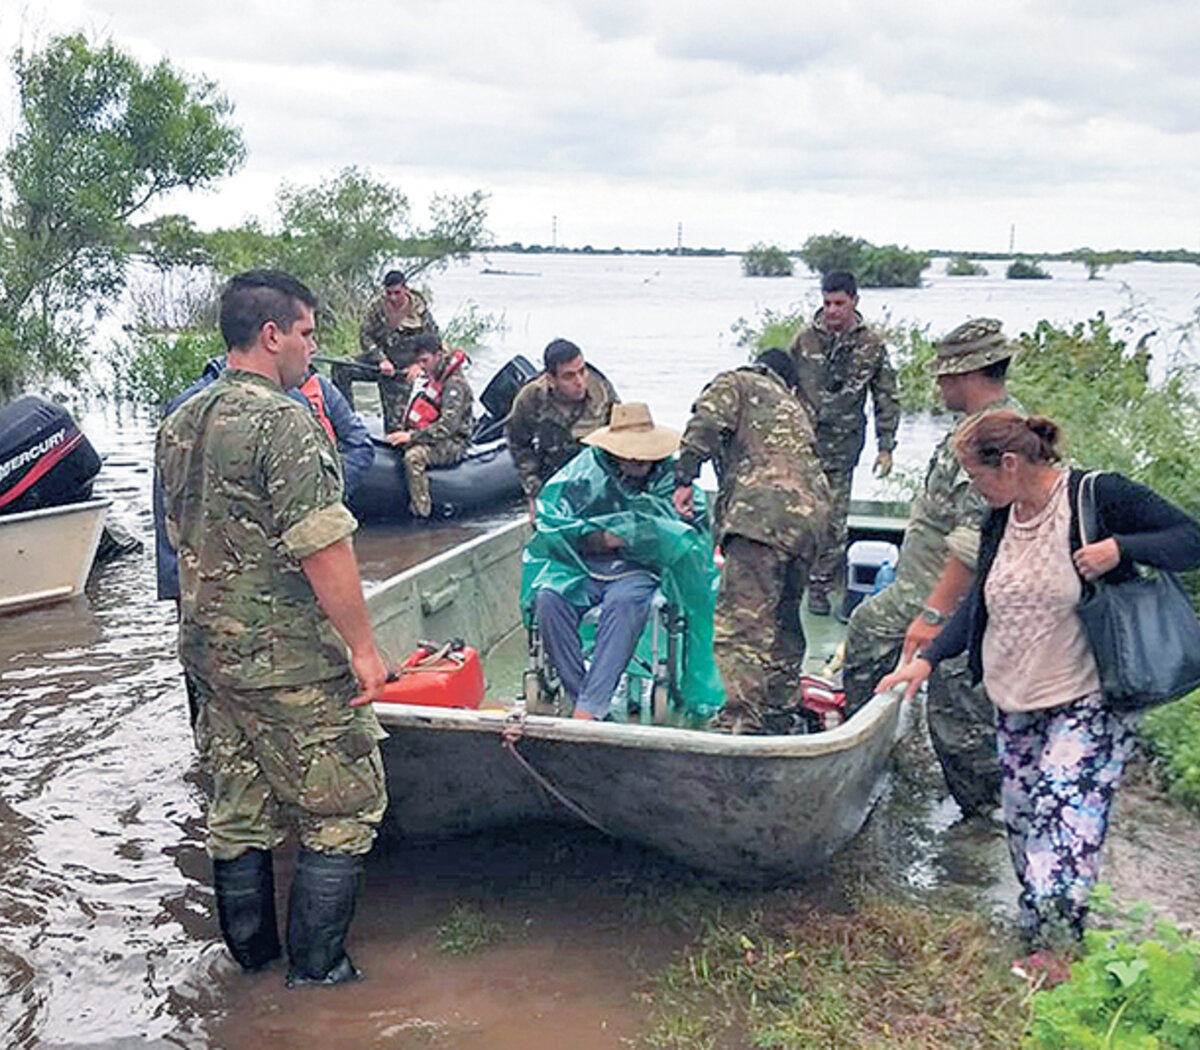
<point>451,679</point>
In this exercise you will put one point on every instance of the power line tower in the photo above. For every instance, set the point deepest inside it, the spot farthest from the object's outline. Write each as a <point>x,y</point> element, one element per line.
<point>553,231</point>
<point>679,239</point>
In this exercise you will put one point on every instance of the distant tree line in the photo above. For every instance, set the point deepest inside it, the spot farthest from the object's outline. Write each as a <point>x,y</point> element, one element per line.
<point>542,249</point>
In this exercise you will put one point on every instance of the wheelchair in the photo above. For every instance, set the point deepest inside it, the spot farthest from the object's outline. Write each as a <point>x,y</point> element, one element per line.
<point>651,680</point>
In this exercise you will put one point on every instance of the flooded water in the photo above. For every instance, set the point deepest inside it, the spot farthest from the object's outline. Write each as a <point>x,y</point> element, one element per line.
<point>107,932</point>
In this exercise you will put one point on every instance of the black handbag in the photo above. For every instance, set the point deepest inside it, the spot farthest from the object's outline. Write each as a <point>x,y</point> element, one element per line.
<point>1144,632</point>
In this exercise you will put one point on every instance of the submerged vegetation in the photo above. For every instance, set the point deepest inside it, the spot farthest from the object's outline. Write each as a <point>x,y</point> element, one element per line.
<point>887,266</point>
<point>964,266</point>
<point>766,260</point>
<point>1026,270</point>
<point>467,930</point>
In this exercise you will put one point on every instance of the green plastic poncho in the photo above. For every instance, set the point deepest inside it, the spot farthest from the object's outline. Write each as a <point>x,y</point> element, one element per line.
<point>589,495</point>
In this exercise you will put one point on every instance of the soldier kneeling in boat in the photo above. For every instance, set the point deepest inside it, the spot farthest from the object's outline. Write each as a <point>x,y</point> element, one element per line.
<point>608,536</point>
<point>772,516</point>
<point>438,421</point>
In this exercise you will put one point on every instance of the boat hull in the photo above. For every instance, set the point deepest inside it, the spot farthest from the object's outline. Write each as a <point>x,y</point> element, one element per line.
<point>748,808</point>
<point>46,554</point>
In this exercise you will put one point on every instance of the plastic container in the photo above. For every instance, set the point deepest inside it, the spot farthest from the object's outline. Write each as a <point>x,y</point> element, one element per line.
<point>454,680</point>
<point>864,560</point>
<point>885,575</point>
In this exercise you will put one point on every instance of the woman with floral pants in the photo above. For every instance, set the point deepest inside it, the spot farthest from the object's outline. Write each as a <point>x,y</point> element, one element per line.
<point>1062,750</point>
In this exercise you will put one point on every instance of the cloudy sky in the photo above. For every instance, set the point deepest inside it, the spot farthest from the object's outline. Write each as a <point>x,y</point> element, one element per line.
<point>931,124</point>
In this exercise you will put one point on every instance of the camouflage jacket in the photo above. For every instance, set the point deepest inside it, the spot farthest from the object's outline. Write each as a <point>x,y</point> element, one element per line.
<point>760,438</point>
<point>251,486</point>
<point>455,419</point>
<point>379,339</point>
<point>945,518</point>
<point>545,432</point>
<point>836,370</point>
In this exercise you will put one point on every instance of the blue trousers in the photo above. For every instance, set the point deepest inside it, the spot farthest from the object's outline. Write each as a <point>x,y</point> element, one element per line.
<point>624,605</point>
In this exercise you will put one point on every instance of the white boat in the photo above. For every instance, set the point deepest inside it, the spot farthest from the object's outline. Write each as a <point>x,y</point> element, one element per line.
<point>744,807</point>
<point>45,555</point>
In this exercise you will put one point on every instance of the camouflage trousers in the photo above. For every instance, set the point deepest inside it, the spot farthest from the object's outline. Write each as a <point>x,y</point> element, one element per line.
<point>758,642</point>
<point>962,720</point>
<point>417,461</point>
<point>830,564</point>
<point>297,757</point>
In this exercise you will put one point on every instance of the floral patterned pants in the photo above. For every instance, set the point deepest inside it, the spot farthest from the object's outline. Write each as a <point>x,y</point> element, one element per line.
<point>1060,770</point>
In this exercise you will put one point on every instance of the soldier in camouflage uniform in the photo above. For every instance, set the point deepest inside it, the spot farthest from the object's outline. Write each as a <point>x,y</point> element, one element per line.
<point>552,414</point>
<point>270,591</point>
<point>936,565</point>
<point>772,513</point>
<point>443,442</point>
<point>839,359</point>
<point>388,340</point>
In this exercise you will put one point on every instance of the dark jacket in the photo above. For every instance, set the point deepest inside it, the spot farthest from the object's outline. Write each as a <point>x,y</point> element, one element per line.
<point>1146,527</point>
<point>354,443</point>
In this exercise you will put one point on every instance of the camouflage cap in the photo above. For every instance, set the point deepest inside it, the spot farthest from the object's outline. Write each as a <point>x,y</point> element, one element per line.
<point>972,345</point>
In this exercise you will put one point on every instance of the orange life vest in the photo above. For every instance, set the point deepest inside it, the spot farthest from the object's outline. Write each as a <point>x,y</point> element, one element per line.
<point>315,396</point>
<point>426,402</point>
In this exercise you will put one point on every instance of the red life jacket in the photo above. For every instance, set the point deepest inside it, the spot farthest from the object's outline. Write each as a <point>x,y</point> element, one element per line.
<point>315,396</point>
<point>425,405</point>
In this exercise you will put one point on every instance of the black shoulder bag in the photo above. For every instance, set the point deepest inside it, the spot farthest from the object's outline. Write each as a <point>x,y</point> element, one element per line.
<point>1144,632</point>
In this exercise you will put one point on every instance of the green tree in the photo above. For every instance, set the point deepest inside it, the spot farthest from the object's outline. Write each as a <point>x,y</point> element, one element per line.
<point>1097,261</point>
<point>766,260</point>
<point>891,266</point>
<point>340,236</point>
<point>98,137</point>
<point>831,252</point>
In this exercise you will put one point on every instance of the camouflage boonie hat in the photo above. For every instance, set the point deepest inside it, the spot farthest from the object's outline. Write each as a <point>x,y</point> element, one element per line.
<point>972,345</point>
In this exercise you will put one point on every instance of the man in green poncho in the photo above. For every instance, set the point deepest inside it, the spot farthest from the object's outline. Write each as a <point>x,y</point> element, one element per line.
<point>608,535</point>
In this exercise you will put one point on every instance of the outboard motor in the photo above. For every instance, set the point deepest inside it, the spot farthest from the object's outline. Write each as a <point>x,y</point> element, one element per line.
<point>497,398</point>
<point>45,461</point>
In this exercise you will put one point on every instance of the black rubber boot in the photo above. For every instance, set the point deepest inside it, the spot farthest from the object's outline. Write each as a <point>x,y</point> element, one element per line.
<point>319,912</point>
<point>246,908</point>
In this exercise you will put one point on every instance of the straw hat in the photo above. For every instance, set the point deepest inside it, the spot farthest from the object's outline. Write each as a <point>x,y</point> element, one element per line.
<point>973,345</point>
<point>632,434</point>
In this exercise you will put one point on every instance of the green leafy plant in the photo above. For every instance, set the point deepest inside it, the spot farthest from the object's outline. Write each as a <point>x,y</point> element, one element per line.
<point>1171,735</point>
<point>151,367</point>
<point>766,260</point>
<point>771,328</point>
<point>1137,987</point>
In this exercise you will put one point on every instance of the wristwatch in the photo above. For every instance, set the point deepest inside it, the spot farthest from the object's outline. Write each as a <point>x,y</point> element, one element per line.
<point>934,617</point>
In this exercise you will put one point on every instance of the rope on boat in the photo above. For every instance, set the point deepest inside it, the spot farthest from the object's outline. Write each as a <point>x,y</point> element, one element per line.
<point>514,729</point>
